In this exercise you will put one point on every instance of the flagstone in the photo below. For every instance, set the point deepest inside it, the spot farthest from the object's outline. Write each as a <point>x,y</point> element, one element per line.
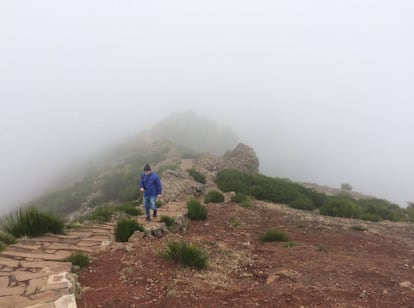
<point>4,282</point>
<point>25,275</point>
<point>8,262</point>
<point>18,290</point>
<point>14,301</point>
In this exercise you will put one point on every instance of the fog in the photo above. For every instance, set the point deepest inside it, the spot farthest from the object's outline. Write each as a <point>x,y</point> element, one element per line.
<point>323,90</point>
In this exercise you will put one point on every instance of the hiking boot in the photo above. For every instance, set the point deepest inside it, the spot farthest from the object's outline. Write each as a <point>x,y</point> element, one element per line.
<point>155,214</point>
<point>148,219</point>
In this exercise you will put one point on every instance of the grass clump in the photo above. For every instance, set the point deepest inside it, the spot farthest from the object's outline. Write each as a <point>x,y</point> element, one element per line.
<point>322,248</point>
<point>234,222</point>
<point>197,176</point>
<point>274,236</point>
<point>246,204</point>
<point>214,196</point>
<point>358,228</point>
<point>125,228</point>
<point>7,238</point>
<point>78,258</point>
<point>291,244</point>
<point>130,209</point>
<point>2,246</point>
<point>186,254</point>
<point>168,220</point>
<point>159,204</point>
<point>100,214</point>
<point>196,210</point>
<point>30,221</point>
<point>239,198</point>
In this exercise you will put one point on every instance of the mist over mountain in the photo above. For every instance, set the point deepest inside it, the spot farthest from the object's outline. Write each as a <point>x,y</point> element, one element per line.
<point>196,132</point>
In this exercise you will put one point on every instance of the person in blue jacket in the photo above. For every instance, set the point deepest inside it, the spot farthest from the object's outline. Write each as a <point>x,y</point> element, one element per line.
<point>150,184</point>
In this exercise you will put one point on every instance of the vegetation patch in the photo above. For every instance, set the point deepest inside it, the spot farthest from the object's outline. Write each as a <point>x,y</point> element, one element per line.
<point>341,207</point>
<point>78,258</point>
<point>246,204</point>
<point>129,209</point>
<point>197,176</point>
<point>239,197</point>
<point>125,228</point>
<point>166,167</point>
<point>196,210</point>
<point>303,203</point>
<point>159,204</point>
<point>358,228</point>
<point>186,254</point>
<point>168,220</point>
<point>234,222</point>
<point>322,248</point>
<point>291,244</point>
<point>274,236</point>
<point>214,196</point>
<point>30,221</point>
<point>2,246</point>
<point>7,238</point>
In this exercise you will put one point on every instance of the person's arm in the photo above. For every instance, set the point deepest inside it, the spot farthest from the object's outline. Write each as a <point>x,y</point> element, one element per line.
<point>141,183</point>
<point>159,187</point>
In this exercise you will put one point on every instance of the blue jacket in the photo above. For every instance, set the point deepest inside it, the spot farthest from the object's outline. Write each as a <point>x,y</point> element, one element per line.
<point>151,183</point>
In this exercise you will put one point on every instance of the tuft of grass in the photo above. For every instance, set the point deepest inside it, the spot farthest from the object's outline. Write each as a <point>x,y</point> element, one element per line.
<point>125,228</point>
<point>234,222</point>
<point>322,248</point>
<point>239,198</point>
<point>186,254</point>
<point>78,258</point>
<point>247,204</point>
<point>7,238</point>
<point>159,204</point>
<point>197,176</point>
<point>130,209</point>
<point>290,244</point>
<point>358,228</point>
<point>196,210</point>
<point>274,236</point>
<point>30,221</point>
<point>101,214</point>
<point>2,246</point>
<point>168,220</point>
<point>214,196</point>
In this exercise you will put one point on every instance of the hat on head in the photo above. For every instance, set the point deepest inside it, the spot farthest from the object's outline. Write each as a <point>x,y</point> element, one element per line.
<point>147,168</point>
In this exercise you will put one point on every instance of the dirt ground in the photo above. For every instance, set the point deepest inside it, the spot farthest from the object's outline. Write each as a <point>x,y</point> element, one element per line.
<point>325,264</point>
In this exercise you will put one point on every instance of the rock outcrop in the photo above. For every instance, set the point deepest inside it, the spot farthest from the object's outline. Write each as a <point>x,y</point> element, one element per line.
<point>178,184</point>
<point>242,158</point>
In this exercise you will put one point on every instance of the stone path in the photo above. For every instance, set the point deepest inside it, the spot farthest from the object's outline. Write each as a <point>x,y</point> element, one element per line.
<point>33,273</point>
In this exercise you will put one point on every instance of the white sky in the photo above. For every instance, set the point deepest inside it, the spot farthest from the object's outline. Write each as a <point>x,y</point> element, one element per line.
<point>323,90</point>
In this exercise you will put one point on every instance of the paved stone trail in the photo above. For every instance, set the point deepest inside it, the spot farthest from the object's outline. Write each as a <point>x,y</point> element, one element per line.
<point>33,273</point>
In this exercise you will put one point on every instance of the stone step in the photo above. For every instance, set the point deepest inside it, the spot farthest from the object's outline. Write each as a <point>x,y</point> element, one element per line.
<point>60,255</point>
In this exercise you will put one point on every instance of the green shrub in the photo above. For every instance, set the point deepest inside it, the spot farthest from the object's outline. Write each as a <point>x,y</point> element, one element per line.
<point>100,214</point>
<point>341,207</point>
<point>358,228</point>
<point>125,228</point>
<point>168,220</point>
<point>214,197</point>
<point>234,222</point>
<point>158,204</point>
<point>246,204</point>
<point>377,209</point>
<point>265,188</point>
<point>78,258</point>
<point>239,198</point>
<point>196,210</point>
<point>197,176</point>
<point>30,221</point>
<point>274,236</point>
<point>302,203</point>
<point>130,209</point>
<point>2,246</point>
<point>7,238</point>
<point>186,254</point>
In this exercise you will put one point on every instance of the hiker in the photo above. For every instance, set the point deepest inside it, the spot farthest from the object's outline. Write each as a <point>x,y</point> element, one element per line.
<point>150,184</point>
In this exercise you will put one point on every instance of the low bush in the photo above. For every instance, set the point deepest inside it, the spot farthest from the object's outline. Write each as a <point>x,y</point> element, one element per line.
<point>7,238</point>
<point>78,258</point>
<point>196,210</point>
<point>125,228</point>
<point>197,176</point>
<point>302,203</point>
<point>168,220</point>
<point>234,222</point>
<point>214,196</point>
<point>341,207</point>
<point>246,204</point>
<point>239,198</point>
<point>186,254</point>
<point>274,236</point>
<point>158,204</point>
<point>30,221</point>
